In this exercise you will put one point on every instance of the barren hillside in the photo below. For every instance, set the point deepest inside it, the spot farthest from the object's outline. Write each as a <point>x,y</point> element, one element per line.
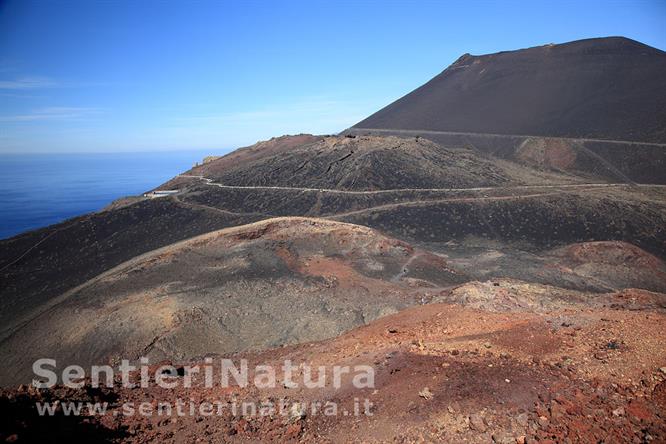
<point>604,88</point>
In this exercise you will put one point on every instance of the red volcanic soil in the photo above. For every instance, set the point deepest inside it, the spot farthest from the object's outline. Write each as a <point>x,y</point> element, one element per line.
<point>616,264</point>
<point>442,373</point>
<point>548,152</point>
<point>612,253</point>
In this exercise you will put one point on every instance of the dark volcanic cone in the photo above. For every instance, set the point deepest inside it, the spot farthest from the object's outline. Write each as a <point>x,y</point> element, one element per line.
<point>604,88</point>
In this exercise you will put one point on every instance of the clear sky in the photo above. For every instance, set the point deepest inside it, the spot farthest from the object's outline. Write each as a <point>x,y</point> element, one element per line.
<point>138,75</point>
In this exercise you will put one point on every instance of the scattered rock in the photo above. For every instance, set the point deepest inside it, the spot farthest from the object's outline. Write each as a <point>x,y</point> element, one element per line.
<point>613,345</point>
<point>476,423</point>
<point>293,430</point>
<point>503,438</point>
<point>241,426</point>
<point>618,411</point>
<point>557,410</point>
<point>297,411</point>
<point>522,419</point>
<point>426,394</point>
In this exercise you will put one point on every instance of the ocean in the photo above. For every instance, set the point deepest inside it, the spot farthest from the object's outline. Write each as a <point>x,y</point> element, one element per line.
<point>37,190</point>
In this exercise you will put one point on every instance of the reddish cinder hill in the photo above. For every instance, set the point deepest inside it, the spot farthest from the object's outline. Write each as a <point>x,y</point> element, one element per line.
<point>256,286</point>
<point>617,264</point>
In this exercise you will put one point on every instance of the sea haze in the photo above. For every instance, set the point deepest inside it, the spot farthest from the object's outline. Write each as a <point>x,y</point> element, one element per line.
<point>37,190</point>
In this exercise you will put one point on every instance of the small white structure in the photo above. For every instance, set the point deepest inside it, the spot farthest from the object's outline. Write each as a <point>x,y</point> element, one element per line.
<point>160,193</point>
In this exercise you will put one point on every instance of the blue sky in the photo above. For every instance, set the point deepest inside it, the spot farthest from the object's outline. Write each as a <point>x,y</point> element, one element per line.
<point>138,75</point>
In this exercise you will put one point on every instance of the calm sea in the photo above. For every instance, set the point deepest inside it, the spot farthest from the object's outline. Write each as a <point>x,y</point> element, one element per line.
<point>39,190</point>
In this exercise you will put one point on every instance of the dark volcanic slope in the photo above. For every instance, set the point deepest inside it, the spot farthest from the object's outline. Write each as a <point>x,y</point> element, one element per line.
<point>42,264</point>
<point>606,88</point>
<point>253,153</point>
<point>366,163</point>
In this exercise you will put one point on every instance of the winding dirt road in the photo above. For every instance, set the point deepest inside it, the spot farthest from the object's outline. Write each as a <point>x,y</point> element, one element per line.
<point>506,136</point>
<point>210,182</point>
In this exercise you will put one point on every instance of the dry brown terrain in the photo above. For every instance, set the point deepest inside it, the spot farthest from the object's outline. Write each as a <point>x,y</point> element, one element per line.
<point>443,372</point>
